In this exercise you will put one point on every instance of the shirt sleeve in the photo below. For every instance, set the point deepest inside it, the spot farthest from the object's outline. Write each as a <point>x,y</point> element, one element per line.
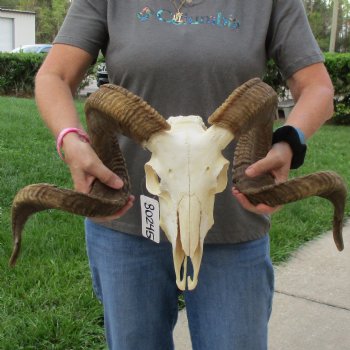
<point>85,26</point>
<point>290,42</point>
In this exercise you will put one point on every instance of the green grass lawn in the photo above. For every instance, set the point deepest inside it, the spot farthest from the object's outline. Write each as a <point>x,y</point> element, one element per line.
<point>47,302</point>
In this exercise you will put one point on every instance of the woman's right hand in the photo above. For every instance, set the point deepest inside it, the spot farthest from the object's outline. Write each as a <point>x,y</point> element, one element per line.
<point>85,166</point>
<point>56,82</point>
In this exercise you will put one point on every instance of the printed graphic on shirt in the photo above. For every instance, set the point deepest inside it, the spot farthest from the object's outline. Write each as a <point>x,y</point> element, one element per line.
<point>218,20</point>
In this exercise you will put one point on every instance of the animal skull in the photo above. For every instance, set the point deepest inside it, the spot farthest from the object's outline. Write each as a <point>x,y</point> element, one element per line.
<point>186,183</point>
<point>186,168</point>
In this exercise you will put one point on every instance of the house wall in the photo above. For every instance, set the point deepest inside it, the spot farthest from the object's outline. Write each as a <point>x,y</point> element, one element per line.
<point>23,29</point>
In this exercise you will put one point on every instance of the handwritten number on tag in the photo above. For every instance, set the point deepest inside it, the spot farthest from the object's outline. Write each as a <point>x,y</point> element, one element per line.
<point>149,208</point>
<point>150,218</point>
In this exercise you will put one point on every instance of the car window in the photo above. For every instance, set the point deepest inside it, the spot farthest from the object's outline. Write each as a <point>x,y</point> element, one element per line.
<point>29,49</point>
<point>33,49</point>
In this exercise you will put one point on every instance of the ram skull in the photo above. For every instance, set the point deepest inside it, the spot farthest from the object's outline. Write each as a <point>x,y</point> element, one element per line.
<point>186,168</point>
<point>186,184</point>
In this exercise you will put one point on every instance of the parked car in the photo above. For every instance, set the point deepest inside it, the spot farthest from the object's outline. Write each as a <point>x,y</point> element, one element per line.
<point>37,48</point>
<point>102,74</point>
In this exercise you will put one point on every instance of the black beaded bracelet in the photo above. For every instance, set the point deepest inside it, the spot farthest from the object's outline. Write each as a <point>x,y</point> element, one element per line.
<point>290,135</point>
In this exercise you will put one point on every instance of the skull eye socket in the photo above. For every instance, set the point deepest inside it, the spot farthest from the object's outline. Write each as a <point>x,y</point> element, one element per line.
<point>222,178</point>
<point>152,180</point>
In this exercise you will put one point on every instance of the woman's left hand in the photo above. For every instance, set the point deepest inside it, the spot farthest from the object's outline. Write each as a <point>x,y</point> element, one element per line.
<point>277,162</point>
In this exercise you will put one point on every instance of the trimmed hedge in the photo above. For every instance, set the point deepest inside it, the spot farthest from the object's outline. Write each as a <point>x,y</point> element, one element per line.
<point>18,71</point>
<point>342,114</point>
<point>338,66</point>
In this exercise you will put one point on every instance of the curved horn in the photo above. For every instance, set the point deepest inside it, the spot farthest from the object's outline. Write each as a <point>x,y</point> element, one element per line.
<point>326,184</point>
<point>255,103</point>
<point>125,112</point>
<point>109,111</point>
<point>249,105</point>
<point>249,113</point>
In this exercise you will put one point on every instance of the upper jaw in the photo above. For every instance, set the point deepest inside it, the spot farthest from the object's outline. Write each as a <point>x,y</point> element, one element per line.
<point>187,238</point>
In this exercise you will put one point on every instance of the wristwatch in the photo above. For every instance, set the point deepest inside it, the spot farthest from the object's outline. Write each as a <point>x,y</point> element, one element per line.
<point>296,140</point>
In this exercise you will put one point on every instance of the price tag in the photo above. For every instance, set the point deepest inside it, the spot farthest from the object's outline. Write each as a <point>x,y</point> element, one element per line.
<point>150,218</point>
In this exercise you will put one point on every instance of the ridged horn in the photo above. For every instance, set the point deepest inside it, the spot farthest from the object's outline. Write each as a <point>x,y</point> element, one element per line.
<point>109,111</point>
<point>326,184</point>
<point>248,105</point>
<point>250,111</point>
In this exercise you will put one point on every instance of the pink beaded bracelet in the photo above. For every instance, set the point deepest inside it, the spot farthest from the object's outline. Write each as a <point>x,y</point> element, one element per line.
<point>82,135</point>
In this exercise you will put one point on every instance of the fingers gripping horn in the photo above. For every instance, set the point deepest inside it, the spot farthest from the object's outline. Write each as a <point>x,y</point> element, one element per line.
<point>253,118</point>
<point>109,111</point>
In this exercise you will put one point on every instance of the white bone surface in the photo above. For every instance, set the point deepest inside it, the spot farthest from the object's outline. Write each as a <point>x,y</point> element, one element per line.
<point>185,171</point>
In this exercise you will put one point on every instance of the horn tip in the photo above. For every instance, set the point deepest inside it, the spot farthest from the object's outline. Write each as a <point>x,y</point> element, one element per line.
<point>15,253</point>
<point>339,245</point>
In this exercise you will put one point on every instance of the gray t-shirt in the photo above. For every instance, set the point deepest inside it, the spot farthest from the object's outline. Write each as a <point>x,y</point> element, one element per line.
<point>190,68</point>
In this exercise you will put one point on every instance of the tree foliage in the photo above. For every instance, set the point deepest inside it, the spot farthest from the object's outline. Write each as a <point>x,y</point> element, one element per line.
<point>344,27</point>
<point>9,4</point>
<point>50,15</point>
<point>320,17</point>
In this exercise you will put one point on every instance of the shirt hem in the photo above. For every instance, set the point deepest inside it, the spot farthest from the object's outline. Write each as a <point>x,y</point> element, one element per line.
<point>79,43</point>
<point>301,63</point>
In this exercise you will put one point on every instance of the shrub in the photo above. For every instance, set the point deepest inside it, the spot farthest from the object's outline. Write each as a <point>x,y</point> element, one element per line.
<point>338,66</point>
<point>342,114</point>
<point>18,71</point>
<point>274,78</point>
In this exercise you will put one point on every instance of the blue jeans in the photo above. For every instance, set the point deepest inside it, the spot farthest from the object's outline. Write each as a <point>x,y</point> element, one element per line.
<point>134,279</point>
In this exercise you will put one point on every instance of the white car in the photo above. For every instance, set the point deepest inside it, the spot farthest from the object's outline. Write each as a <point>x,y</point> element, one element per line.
<point>37,48</point>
